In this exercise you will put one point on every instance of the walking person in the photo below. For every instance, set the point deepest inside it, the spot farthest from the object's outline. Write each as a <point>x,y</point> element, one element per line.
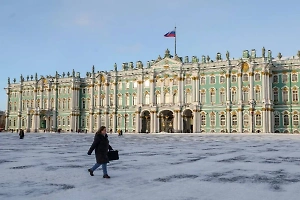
<point>101,147</point>
<point>21,134</point>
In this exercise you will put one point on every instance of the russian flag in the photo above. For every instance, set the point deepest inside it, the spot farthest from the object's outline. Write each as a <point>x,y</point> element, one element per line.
<point>170,34</point>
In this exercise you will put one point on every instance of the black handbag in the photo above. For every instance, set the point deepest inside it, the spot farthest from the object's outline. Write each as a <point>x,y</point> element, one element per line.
<point>113,155</point>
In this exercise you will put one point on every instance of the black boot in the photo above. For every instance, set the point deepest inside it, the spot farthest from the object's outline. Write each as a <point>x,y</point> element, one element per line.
<point>91,172</point>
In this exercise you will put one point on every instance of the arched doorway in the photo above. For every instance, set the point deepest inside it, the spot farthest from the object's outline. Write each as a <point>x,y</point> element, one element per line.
<point>187,121</point>
<point>166,121</point>
<point>145,122</point>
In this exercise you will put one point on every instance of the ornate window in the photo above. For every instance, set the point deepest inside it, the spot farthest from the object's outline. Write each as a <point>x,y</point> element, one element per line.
<point>275,79</point>
<point>120,100</point>
<point>276,117</point>
<point>134,99</point>
<point>120,85</point>
<point>157,98</point>
<point>295,94</point>
<point>245,95</point>
<point>203,119</point>
<point>167,97</point>
<point>203,96</point>
<point>175,81</point>
<point>257,77</point>
<point>233,95</point>
<point>284,78</point>
<point>212,119</point>
<point>294,77</point>
<point>222,79</point>
<point>202,80</point>
<point>135,84</point>
<point>127,85</point>
<point>147,98</point>
<point>133,120</point>
<point>295,119</point>
<point>257,94</point>
<point>175,97</point>
<point>188,81</point>
<point>285,95</point>
<point>245,77</point>
<point>212,96</point>
<point>83,103</point>
<point>127,100</point>
<point>119,122</point>
<point>188,96</point>
<point>258,119</point>
<point>233,78</point>
<point>275,93</point>
<point>212,80</point>
<point>246,120</point>
<point>111,100</point>
<point>222,120</point>
<point>234,120</point>
<point>286,121</point>
<point>222,95</point>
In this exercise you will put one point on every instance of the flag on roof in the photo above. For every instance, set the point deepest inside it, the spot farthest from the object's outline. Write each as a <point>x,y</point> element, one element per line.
<point>170,34</point>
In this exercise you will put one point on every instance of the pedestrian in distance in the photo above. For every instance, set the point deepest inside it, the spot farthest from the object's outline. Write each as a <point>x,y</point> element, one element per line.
<point>21,134</point>
<point>101,147</point>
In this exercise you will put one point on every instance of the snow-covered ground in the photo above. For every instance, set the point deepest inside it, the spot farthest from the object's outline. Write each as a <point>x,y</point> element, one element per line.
<point>152,166</point>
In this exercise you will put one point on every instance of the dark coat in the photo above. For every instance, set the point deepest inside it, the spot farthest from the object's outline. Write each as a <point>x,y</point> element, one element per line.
<point>21,134</point>
<point>101,147</point>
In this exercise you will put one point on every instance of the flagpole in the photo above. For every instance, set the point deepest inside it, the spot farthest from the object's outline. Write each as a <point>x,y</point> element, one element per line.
<point>175,40</point>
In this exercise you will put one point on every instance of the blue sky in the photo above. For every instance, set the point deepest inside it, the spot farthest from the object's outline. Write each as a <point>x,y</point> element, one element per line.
<point>60,35</point>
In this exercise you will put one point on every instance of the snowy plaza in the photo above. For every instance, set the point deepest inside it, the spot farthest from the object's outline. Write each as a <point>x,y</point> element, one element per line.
<point>53,166</point>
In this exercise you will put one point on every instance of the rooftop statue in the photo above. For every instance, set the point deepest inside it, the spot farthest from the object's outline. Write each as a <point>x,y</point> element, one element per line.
<point>227,55</point>
<point>8,80</point>
<point>263,52</point>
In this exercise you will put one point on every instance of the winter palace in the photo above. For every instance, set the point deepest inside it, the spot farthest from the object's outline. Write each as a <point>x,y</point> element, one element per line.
<point>254,94</point>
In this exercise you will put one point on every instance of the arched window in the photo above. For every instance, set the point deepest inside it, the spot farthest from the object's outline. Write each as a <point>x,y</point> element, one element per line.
<point>147,98</point>
<point>222,120</point>
<point>258,119</point>
<point>203,119</point>
<point>286,121</point>
<point>246,120</point>
<point>167,97</point>
<point>234,120</point>
<point>276,117</point>
<point>295,120</point>
<point>157,98</point>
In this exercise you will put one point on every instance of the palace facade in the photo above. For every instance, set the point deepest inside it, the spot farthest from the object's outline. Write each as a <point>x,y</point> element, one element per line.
<point>169,94</point>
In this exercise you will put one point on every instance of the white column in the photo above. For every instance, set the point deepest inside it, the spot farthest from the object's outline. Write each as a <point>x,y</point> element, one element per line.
<point>91,122</point>
<point>155,121</point>
<point>264,119</point>
<point>195,118</point>
<point>240,88</point>
<point>151,122</point>
<point>240,123</point>
<point>106,103</point>
<point>271,124</point>
<point>115,122</point>
<point>197,89</point>
<point>228,121</point>
<point>35,96</point>
<point>49,97</point>
<point>175,121</point>
<point>180,91</point>
<point>137,122</point>
<point>55,108</point>
<point>179,118</point>
<point>99,116</point>
<point>194,89</point>
<point>263,88</point>
<point>152,92</point>
<point>28,121</point>
<point>228,88</point>
<point>42,98</point>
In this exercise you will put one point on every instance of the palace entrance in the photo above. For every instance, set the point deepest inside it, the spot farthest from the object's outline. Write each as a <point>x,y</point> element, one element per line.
<point>145,122</point>
<point>166,121</point>
<point>187,121</point>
